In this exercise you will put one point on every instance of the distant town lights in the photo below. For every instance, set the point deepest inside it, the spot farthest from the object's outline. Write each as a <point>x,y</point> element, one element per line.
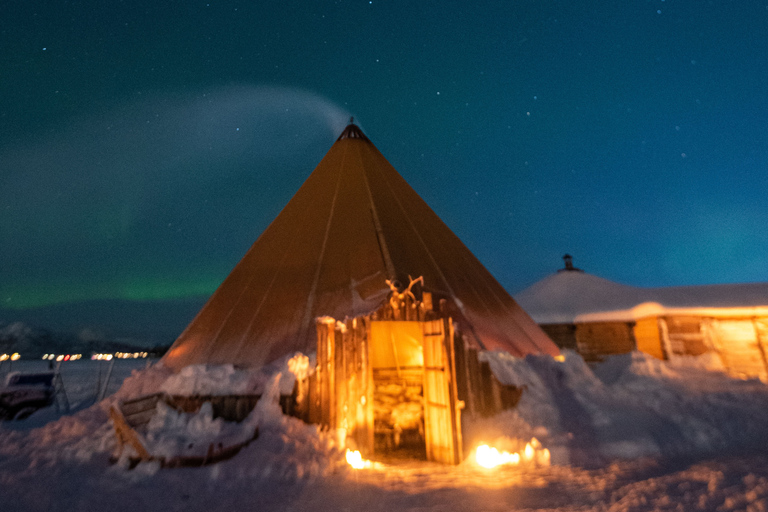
<point>75,357</point>
<point>119,355</point>
<point>131,355</point>
<point>62,357</point>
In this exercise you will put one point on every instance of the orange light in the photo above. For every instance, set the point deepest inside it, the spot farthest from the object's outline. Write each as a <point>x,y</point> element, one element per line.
<point>489,457</point>
<point>528,453</point>
<point>356,460</point>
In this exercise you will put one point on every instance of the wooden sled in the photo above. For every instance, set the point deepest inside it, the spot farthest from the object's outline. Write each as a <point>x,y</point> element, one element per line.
<point>131,417</point>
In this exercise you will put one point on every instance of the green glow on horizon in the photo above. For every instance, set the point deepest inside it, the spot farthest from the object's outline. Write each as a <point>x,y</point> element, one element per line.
<point>31,296</point>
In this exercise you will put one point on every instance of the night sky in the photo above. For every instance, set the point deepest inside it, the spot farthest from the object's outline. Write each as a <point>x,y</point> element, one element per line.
<point>144,145</point>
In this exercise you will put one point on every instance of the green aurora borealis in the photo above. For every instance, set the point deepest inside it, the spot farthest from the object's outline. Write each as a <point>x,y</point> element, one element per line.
<point>144,146</point>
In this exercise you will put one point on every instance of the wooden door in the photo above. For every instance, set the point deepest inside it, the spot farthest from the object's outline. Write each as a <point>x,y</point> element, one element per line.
<point>442,428</point>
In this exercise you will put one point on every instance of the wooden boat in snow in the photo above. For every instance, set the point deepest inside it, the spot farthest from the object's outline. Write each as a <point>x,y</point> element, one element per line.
<point>131,418</point>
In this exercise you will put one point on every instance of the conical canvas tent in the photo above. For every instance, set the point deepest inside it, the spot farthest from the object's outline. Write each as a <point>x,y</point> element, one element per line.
<point>353,224</point>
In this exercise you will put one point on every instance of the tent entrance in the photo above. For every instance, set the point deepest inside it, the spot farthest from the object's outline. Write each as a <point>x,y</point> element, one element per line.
<point>391,385</point>
<point>397,360</point>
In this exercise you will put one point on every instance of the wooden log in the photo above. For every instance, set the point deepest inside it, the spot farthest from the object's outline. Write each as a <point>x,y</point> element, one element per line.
<point>313,398</point>
<point>326,373</point>
<point>301,399</point>
<point>475,381</point>
<point>455,403</point>
<point>338,387</point>
<point>462,375</point>
<point>489,404</point>
<point>367,436</point>
<point>126,435</point>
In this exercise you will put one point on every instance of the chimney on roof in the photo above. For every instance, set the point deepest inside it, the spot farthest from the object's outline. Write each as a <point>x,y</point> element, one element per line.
<point>352,131</point>
<point>568,259</point>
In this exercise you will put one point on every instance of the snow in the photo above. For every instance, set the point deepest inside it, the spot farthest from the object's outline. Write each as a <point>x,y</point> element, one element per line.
<point>634,434</point>
<point>171,433</point>
<point>560,297</point>
<point>566,297</point>
<point>634,405</point>
<point>214,380</point>
<point>648,309</point>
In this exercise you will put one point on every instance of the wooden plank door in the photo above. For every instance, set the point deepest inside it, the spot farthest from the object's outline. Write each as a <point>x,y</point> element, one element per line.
<point>440,414</point>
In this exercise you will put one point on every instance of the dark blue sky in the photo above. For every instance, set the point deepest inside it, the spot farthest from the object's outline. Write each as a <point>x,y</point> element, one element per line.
<point>145,145</point>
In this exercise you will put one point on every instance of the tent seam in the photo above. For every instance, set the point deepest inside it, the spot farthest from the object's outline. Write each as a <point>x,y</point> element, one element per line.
<point>311,299</point>
<point>379,231</point>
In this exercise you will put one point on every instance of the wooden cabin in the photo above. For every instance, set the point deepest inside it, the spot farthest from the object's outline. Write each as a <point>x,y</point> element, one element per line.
<point>599,318</point>
<point>738,335</point>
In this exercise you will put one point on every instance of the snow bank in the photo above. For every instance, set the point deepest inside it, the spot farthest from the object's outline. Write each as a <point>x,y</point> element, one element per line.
<point>216,380</point>
<point>205,380</point>
<point>628,423</point>
<point>88,434</point>
<point>630,406</point>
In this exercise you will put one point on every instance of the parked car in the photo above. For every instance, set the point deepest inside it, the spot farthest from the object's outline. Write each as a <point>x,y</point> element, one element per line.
<point>24,393</point>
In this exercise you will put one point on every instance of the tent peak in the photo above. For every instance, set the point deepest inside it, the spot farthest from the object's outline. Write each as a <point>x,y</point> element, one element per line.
<point>352,131</point>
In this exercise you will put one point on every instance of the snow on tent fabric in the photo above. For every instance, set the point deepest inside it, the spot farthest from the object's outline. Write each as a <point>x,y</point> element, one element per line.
<point>352,225</point>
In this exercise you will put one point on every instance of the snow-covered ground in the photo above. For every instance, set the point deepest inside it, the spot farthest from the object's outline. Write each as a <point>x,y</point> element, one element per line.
<point>635,434</point>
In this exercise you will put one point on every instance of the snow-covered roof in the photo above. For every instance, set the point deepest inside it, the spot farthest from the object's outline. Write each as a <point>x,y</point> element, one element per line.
<point>566,297</point>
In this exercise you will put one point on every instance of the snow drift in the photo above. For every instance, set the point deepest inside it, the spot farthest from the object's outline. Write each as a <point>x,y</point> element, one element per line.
<point>633,417</point>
